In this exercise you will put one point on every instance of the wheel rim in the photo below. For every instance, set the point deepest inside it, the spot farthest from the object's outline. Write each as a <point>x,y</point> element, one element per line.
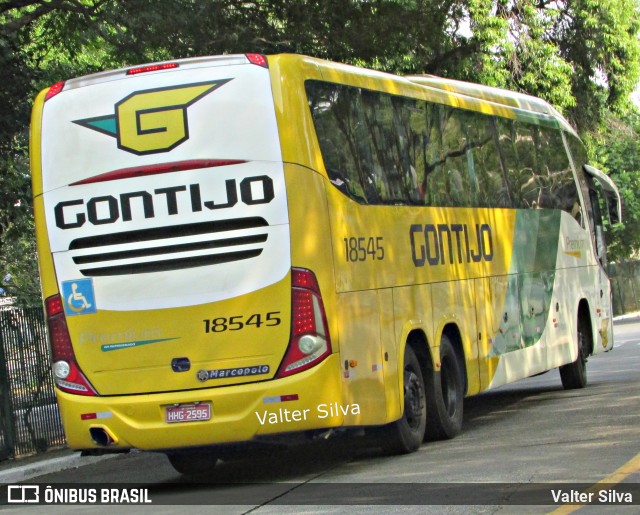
<point>448,386</point>
<point>413,399</point>
<point>581,353</point>
<point>583,361</point>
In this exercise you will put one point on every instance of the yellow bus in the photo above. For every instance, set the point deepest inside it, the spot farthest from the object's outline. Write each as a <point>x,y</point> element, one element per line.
<point>238,247</point>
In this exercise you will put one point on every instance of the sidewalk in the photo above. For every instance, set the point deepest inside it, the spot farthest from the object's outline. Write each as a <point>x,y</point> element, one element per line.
<point>23,469</point>
<point>628,318</point>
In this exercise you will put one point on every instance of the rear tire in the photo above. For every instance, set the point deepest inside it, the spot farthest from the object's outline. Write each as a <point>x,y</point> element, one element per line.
<point>445,395</point>
<point>574,375</point>
<point>192,462</point>
<point>406,434</point>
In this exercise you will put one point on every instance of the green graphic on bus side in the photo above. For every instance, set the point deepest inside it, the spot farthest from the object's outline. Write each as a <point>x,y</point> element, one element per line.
<point>529,285</point>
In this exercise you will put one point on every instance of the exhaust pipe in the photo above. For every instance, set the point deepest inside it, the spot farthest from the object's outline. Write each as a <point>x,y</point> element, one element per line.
<point>101,436</point>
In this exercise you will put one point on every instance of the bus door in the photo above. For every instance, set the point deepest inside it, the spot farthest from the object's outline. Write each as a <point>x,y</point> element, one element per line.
<point>602,193</point>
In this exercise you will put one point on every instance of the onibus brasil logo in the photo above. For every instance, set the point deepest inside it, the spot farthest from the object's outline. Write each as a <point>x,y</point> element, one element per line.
<point>153,120</point>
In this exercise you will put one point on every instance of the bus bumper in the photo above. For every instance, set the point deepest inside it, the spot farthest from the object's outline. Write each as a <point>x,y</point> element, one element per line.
<point>304,401</point>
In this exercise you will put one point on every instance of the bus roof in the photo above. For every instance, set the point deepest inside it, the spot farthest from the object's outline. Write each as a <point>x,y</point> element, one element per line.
<point>522,105</point>
<point>512,99</point>
<point>465,95</point>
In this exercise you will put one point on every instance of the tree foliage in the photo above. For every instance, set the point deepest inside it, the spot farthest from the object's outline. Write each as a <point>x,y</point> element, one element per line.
<point>581,55</point>
<point>616,150</point>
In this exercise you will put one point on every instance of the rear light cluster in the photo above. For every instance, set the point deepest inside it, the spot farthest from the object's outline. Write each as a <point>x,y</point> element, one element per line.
<point>66,372</point>
<point>54,90</point>
<point>258,59</point>
<point>151,68</point>
<point>310,342</point>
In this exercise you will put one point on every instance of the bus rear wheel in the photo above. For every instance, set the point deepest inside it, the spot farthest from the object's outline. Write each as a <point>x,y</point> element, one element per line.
<point>406,434</point>
<point>574,375</point>
<point>445,395</point>
<point>192,462</point>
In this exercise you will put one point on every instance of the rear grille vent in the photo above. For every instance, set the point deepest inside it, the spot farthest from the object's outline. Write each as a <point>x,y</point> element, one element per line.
<point>129,252</point>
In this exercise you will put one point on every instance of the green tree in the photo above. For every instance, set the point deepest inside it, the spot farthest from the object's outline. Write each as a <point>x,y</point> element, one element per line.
<point>581,55</point>
<point>40,43</point>
<point>600,39</point>
<point>616,150</point>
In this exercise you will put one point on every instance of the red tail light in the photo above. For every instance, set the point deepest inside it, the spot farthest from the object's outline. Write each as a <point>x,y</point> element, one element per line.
<point>151,68</point>
<point>258,59</point>
<point>66,372</point>
<point>54,90</point>
<point>310,342</point>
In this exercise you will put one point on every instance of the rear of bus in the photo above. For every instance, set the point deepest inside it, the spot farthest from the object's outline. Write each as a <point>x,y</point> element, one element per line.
<point>176,315</point>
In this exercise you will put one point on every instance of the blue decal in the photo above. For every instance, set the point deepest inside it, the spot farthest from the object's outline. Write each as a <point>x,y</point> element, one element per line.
<point>79,297</point>
<point>128,345</point>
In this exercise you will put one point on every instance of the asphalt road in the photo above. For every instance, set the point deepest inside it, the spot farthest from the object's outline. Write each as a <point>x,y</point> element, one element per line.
<point>531,435</point>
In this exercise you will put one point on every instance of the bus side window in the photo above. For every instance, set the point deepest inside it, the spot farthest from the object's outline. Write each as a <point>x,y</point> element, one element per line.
<point>335,123</point>
<point>579,157</point>
<point>450,179</point>
<point>594,199</point>
<point>380,137</point>
<point>492,189</point>
<point>433,155</point>
<point>562,192</point>
<point>405,147</point>
<point>419,148</point>
<point>516,142</point>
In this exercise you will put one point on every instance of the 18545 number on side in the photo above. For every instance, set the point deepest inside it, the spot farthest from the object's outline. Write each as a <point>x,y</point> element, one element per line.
<point>363,248</point>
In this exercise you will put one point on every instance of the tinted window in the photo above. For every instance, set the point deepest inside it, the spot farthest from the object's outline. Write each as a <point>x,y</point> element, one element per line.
<point>579,154</point>
<point>386,149</point>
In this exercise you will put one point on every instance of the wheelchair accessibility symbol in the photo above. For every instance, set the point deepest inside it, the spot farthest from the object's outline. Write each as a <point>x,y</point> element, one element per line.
<point>79,298</point>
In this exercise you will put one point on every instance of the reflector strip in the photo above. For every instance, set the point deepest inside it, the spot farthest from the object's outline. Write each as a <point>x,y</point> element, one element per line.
<point>280,398</point>
<point>94,416</point>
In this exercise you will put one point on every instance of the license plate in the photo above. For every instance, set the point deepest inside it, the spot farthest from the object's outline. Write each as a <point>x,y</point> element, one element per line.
<point>187,413</point>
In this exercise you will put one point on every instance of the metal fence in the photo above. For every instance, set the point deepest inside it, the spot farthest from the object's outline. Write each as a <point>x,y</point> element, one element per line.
<point>625,286</point>
<point>29,417</point>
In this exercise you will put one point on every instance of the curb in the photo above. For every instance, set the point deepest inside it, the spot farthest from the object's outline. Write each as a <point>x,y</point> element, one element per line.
<point>627,319</point>
<point>19,473</point>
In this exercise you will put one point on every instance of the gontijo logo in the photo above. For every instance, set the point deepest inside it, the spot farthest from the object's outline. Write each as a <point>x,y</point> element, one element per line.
<point>153,120</point>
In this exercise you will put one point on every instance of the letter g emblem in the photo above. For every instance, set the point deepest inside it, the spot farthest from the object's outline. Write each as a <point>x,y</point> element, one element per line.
<point>153,120</point>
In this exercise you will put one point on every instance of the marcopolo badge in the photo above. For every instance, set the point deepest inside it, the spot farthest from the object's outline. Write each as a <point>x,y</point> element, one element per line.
<point>205,375</point>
